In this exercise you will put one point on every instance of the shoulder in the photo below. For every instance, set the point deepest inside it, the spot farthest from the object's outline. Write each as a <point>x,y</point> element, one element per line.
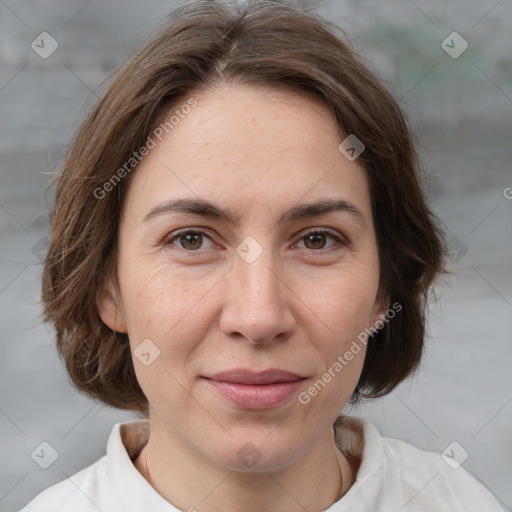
<point>107,483</point>
<point>394,474</point>
<point>435,481</point>
<point>84,491</point>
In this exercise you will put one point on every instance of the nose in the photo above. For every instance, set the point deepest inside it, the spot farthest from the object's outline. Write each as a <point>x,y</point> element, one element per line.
<point>259,301</point>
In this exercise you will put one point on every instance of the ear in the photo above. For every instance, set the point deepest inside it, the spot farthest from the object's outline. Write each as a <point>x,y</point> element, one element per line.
<point>109,308</point>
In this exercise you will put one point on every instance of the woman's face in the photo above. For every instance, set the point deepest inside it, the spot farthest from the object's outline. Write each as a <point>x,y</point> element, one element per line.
<point>249,288</point>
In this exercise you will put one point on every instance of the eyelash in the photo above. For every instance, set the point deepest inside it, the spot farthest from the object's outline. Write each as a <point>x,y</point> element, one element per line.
<point>315,231</point>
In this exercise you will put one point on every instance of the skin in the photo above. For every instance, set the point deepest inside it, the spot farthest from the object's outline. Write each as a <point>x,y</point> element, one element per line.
<point>297,306</point>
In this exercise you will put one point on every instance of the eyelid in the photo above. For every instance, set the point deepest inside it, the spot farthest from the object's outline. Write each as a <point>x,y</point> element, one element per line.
<point>321,230</point>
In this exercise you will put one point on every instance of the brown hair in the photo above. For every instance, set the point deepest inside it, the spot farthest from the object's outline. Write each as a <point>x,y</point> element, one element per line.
<point>261,44</point>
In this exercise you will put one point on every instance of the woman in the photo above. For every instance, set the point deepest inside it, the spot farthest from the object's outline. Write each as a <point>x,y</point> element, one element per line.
<point>240,247</point>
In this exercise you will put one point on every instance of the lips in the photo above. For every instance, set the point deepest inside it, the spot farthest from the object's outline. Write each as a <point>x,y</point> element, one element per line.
<point>255,390</point>
<point>244,376</point>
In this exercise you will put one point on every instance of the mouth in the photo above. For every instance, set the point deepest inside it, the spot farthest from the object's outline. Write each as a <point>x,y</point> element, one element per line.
<point>255,390</point>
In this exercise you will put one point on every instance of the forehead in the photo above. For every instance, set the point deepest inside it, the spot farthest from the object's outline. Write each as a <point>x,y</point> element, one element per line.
<point>250,147</point>
<point>257,120</point>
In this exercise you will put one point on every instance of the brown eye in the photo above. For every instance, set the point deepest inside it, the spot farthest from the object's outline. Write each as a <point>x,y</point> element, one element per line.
<point>317,239</point>
<point>191,241</point>
<point>188,240</point>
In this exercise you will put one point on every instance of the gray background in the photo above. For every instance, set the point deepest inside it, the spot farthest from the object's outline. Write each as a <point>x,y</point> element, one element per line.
<point>461,111</point>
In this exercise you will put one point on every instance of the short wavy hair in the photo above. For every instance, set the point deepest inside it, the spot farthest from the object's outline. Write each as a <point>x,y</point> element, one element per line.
<point>260,43</point>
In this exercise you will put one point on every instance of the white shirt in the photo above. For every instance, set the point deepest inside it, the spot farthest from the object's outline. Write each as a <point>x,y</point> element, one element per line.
<point>393,476</point>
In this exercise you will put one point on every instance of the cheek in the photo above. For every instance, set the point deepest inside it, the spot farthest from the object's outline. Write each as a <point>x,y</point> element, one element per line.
<point>343,302</point>
<point>162,303</point>
<point>343,306</point>
<point>162,306</point>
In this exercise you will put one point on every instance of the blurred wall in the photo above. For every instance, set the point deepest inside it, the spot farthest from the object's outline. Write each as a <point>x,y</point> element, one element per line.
<point>459,106</point>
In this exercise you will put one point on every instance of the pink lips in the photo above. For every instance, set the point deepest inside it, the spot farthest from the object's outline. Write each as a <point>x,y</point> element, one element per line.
<point>255,391</point>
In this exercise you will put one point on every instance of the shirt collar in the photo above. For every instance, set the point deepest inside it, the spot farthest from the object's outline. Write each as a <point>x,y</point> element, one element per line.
<point>359,439</point>
<point>135,493</point>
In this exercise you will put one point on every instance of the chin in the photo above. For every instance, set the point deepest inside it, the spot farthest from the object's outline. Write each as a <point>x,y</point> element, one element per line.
<point>257,454</point>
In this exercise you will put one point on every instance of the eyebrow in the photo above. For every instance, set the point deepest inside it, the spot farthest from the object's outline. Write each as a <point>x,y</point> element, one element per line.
<point>207,209</point>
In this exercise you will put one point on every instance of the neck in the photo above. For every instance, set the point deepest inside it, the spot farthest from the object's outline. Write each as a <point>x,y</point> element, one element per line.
<point>190,481</point>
